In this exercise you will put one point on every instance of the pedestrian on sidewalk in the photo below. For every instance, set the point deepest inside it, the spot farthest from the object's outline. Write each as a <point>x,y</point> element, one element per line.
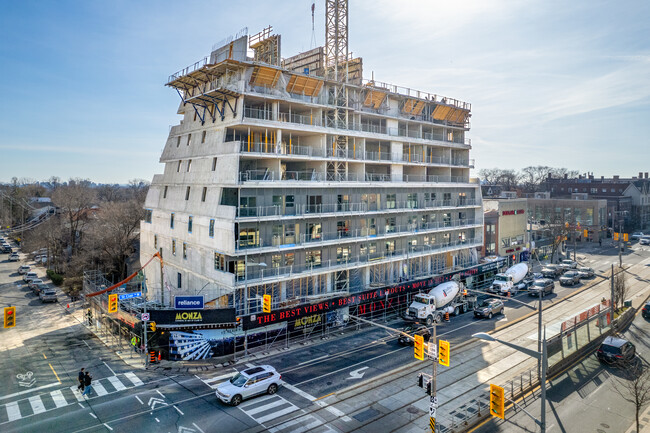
<point>87,384</point>
<point>600,242</point>
<point>81,380</point>
<point>134,343</point>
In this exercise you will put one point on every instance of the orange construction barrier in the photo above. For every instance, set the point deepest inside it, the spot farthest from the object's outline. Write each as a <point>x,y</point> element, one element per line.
<point>447,317</point>
<point>152,357</point>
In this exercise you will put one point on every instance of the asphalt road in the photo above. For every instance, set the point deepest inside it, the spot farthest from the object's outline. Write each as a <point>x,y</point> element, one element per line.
<point>53,348</point>
<point>584,398</point>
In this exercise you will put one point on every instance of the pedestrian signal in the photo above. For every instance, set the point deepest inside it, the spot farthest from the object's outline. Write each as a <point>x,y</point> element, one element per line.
<point>112,303</point>
<point>152,325</point>
<point>443,352</point>
<point>418,347</point>
<point>9,317</point>
<point>266,303</point>
<point>497,401</point>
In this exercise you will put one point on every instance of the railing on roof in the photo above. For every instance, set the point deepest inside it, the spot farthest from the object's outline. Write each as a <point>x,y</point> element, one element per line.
<point>194,67</point>
<point>405,91</point>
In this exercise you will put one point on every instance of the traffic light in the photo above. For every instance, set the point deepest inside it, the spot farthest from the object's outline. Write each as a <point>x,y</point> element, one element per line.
<point>429,385</point>
<point>625,237</point>
<point>418,347</point>
<point>566,224</point>
<point>443,352</point>
<point>112,303</point>
<point>585,233</point>
<point>152,325</point>
<point>615,236</point>
<point>421,380</point>
<point>497,401</point>
<point>10,317</point>
<point>266,303</point>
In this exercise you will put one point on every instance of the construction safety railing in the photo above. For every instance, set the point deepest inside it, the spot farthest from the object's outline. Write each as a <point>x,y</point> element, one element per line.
<point>260,275</point>
<point>405,91</point>
<point>352,207</point>
<point>354,234</point>
<point>193,67</point>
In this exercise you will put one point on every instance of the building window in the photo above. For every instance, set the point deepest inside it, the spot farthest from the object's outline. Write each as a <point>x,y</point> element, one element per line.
<point>343,228</point>
<point>165,192</point>
<point>178,141</point>
<point>391,201</point>
<point>390,225</point>
<point>248,237</point>
<point>314,231</point>
<point>187,193</point>
<point>155,242</point>
<point>211,229</point>
<point>276,260</point>
<point>368,227</point>
<point>594,190</point>
<point>248,206</point>
<point>343,203</point>
<point>189,138</point>
<point>214,164</point>
<point>173,247</point>
<point>178,169</point>
<point>185,250</point>
<point>204,193</point>
<point>178,278</point>
<point>189,165</point>
<point>147,215</point>
<point>203,137</point>
<point>171,221</point>
<point>189,224</point>
<point>313,258</point>
<point>219,262</point>
<point>342,255</point>
<point>289,259</point>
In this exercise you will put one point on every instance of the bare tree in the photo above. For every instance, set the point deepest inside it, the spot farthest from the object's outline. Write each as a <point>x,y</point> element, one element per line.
<point>531,177</point>
<point>75,200</point>
<point>621,289</point>
<point>139,189</point>
<point>634,387</point>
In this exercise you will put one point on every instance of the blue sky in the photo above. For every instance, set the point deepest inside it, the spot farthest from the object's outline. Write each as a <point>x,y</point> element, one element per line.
<point>564,84</point>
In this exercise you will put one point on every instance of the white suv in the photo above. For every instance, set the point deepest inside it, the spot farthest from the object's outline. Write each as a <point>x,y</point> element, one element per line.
<point>248,383</point>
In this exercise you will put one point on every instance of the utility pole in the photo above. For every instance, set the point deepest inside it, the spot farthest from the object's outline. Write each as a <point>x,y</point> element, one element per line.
<point>611,278</point>
<point>144,326</point>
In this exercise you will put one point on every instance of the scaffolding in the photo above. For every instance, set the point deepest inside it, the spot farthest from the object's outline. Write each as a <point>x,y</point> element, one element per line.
<point>266,47</point>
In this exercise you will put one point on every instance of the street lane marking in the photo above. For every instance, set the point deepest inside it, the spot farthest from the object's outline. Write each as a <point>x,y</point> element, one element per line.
<point>141,402</point>
<point>249,365</point>
<point>57,376</point>
<point>99,389</point>
<point>108,427</point>
<point>109,368</point>
<point>119,386</point>
<point>37,404</point>
<point>216,378</point>
<point>315,359</point>
<point>58,398</point>
<point>267,406</point>
<point>86,343</point>
<point>29,391</point>
<point>198,428</point>
<point>257,400</point>
<point>179,411</point>
<point>13,411</point>
<point>44,356</point>
<point>134,379</point>
<point>157,420</point>
<point>161,394</point>
<point>93,415</point>
<point>77,393</point>
<point>274,415</point>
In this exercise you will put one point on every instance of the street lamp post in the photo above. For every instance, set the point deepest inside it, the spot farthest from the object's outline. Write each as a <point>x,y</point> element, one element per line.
<point>541,356</point>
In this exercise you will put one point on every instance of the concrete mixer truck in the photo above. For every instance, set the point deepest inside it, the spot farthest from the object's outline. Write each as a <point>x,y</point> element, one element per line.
<point>512,280</point>
<point>448,297</point>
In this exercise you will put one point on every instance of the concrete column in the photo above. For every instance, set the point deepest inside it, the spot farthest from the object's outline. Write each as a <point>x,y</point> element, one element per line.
<point>275,110</point>
<point>329,282</point>
<point>283,291</point>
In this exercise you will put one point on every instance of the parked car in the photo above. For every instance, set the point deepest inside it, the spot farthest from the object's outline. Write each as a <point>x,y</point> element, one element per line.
<point>584,272</point>
<point>570,278</point>
<point>645,240</point>
<point>29,276</point>
<point>645,311</point>
<point>616,350</point>
<point>249,383</point>
<point>548,273</point>
<point>636,236</point>
<point>6,249</point>
<point>568,264</point>
<point>24,269</point>
<point>48,295</point>
<point>14,257</point>
<point>489,308</point>
<point>38,288</point>
<point>546,286</point>
<point>33,282</point>
<point>415,329</point>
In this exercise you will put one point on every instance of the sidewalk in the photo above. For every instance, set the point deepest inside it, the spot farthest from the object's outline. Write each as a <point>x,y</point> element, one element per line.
<point>644,423</point>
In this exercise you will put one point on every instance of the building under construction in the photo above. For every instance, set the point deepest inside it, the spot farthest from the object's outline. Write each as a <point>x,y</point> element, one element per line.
<point>299,179</point>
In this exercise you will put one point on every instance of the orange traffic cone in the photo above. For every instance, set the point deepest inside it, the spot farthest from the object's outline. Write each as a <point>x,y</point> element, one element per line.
<point>67,306</point>
<point>159,356</point>
<point>508,293</point>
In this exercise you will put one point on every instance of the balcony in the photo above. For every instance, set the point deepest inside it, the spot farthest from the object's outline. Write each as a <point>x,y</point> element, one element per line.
<point>351,208</point>
<point>265,275</point>
<point>356,235</point>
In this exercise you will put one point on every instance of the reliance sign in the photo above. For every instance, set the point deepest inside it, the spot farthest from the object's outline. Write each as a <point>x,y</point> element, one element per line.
<point>188,302</point>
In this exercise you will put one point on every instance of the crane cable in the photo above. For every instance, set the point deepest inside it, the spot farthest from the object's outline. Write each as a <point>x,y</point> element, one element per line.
<point>127,279</point>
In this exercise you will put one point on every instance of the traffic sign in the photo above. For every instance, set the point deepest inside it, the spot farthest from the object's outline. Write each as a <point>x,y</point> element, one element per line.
<point>432,410</point>
<point>129,295</point>
<point>433,351</point>
<point>144,316</point>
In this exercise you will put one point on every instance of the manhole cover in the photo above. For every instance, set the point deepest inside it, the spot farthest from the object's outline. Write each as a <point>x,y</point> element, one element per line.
<point>602,424</point>
<point>366,415</point>
<point>412,409</point>
<point>599,430</point>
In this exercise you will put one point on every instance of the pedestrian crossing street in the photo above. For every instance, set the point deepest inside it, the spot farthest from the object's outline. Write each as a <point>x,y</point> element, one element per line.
<point>268,409</point>
<point>36,404</point>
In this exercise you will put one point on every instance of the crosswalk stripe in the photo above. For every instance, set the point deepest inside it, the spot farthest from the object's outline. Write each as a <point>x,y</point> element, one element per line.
<point>58,398</point>
<point>116,383</point>
<point>37,404</point>
<point>266,407</point>
<point>243,406</point>
<point>99,389</point>
<point>274,415</point>
<point>223,376</point>
<point>134,379</point>
<point>306,427</point>
<point>299,420</point>
<point>13,411</point>
<point>77,393</point>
